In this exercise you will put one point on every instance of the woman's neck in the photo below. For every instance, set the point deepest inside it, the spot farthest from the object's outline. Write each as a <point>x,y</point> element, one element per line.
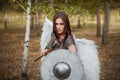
<point>61,37</point>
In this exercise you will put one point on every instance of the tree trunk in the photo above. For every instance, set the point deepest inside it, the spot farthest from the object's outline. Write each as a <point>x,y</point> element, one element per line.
<point>66,1</point>
<point>79,25</point>
<point>5,17</point>
<point>119,11</point>
<point>98,34</point>
<point>51,3</point>
<point>117,14</point>
<point>37,24</point>
<point>5,21</point>
<point>32,21</point>
<point>26,44</point>
<point>106,24</point>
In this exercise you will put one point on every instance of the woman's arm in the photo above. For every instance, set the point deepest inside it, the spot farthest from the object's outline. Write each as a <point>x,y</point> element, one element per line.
<point>70,43</point>
<point>72,48</point>
<point>46,51</point>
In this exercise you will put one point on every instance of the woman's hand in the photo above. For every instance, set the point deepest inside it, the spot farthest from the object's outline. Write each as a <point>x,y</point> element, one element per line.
<point>45,52</point>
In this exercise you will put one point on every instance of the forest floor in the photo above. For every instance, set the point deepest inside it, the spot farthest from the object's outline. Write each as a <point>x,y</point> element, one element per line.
<point>11,53</point>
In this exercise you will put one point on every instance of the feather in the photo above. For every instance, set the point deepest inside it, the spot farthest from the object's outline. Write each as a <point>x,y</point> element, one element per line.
<point>86,50</point>
<point>46,34</point>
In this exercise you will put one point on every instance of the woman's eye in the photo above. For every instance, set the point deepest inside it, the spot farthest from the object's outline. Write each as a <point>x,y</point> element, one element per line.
<point>56,23</point>
<point>59,23</point>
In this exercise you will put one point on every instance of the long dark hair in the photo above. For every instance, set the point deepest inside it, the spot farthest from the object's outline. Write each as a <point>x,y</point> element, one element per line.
<point>65,19</point>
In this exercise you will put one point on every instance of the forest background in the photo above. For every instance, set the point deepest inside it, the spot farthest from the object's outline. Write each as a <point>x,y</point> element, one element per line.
<point>97,20</point>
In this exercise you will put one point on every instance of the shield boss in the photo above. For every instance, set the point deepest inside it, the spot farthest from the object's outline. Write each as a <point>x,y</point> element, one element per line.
<point>61,64</point>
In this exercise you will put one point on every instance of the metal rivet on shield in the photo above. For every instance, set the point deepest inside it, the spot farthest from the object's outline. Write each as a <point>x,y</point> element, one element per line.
<point>62,70</point>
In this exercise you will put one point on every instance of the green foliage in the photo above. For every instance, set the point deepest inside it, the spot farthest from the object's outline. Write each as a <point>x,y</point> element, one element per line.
<point>72,7</point>
<point>69,9</point>
<point>78,7</point>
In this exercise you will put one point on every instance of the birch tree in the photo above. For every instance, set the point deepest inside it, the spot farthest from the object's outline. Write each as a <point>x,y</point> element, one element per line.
<point>26,44</point>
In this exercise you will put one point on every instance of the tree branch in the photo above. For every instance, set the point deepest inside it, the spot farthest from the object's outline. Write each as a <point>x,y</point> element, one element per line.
<point>20,5</point>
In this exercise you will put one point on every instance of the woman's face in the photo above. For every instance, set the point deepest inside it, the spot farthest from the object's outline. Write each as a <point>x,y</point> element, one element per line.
<point>59,26</point>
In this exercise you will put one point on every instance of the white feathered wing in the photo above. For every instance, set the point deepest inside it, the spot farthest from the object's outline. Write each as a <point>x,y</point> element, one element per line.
<point>86,50</point>
<point>88,53</point>
<point>46,34</point>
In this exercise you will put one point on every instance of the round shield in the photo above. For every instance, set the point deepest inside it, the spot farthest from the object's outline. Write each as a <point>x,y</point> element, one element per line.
<point>61,64</point>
